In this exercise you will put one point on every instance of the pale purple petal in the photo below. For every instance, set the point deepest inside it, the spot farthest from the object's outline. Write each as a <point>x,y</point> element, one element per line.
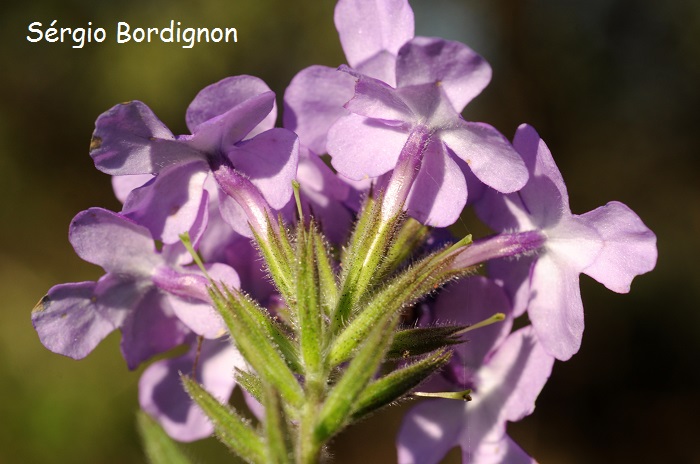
<point>555,307</point>
<point>629,247</point>
<point>489,155</point>
<point>216,99</point>
<point>234,215</point>
<point>507,387</point>
<point>501,451</point>
<point>545,195</point>
<point>219,134</point>
<point>123,185</point>
<point>439,193</point>
<point>113,242</point>
<point>130,139</point>
<point>162,396</point>
<point>514,276</point>
<point>151,328</point>
<point>522,367</point>
<point>503,211</point>
<point>469,301</point>
<point>377,100</point>
<point>172,202</point>
<point>187,295</point>
<point>362,148</point>
<point>381,66</point>
<point>461,72</point>
<point>71,321</point>
<point>269,161</point>
<point>369,27</point>
<point>430,430</point>
<point>314,101</point>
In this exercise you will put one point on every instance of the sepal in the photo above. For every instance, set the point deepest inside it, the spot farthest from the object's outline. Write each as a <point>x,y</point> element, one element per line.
<point>233,431</point>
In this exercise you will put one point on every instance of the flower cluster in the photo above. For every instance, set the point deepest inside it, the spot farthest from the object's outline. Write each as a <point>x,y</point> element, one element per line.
<point>203,253</point>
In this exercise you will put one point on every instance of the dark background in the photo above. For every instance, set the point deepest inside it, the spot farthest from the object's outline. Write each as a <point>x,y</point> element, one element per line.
<point>613,87</point>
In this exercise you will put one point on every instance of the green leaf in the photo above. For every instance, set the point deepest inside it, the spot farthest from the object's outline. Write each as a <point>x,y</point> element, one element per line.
<point>256,346</point>
<point>326,276</point>
<point>398,383</point>
<point>159,447</point>
<point>308,304</point>
<point>233,431</point>
<point>421,340</point>
<point>407,287</point>
<point>336,410</point>
<point>410,236</point>
<point>275,428</point>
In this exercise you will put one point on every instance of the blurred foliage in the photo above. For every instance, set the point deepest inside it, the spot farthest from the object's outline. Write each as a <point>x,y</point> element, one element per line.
<point>611,85</point>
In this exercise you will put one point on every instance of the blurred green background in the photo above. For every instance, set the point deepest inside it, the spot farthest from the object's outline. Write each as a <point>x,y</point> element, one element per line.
<point>613,86</point>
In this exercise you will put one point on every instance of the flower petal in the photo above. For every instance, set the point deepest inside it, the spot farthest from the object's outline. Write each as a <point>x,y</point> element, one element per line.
<point>361,147</point>
<point>270,161</point>
<point>469,301</point>
<point>369,27</point>
<point>460,71</point>
<point>439,192</point>
<point>71,321</point>
<point>429,431</point>
<point>123,185</point>
<point>220,133</point>
<point>162,396</point>
<point>113,242</point>
<point>377,100</point>
<point>629,247</point>
<point>130,139</point>
<point>488,154</point>
<point>555,307</point>
<point>545,196</point>
<point>150,329</point>
<point>314,101</point>
<point>170,204</point>
<point>217,99</point>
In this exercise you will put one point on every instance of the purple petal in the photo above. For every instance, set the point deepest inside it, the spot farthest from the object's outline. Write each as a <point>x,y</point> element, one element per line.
<point>270,161</point>
<point>123,185</point>
<point>114,242</point>
<point>439,193</point>
<point>430,430</point>
<point>162,396</point>
<point>498,451</point>
<point>369,27</point>
<point>150,329</point>
<point>219,134</point>
<point>314,101</point>
<point>514,275</point>
<point>470,301</point>
<point>503,212</point>
<point>362,147</point>
<point>188,296</point>
<point>555,307</point>
<point>522,367</point>
<point>216,99</point>
<point>130,139</point>
<point>71,321</point>
<point>377,100</point>
<point>234,215</point>
<point>545,196</point>
<point>629,247</point>
<point>172,203</point>
<point>460,72</point>
<point>508,385</point>
<point>488,154</point>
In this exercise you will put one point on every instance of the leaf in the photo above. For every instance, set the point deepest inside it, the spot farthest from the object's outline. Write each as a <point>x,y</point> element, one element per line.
<point>159,447</point>
<point>233,431</point>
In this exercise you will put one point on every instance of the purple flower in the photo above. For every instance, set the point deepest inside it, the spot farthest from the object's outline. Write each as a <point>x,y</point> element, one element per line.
<point>162,396</point>
<point>148,295</point>
<point>416,130</point>
<point>231,124</point>
<point>371,33</point>
<point>505,372</point>
<point>610,244</point>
